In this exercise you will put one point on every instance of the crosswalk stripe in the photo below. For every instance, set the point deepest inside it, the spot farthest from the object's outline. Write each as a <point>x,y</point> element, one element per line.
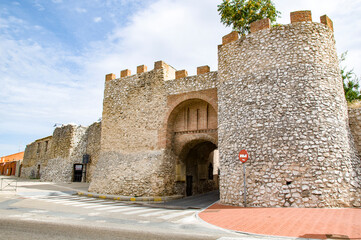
<point>93,206</point>
<point>173,215</point>
<point>56,201</point>
<point>91,200</point>
<point>154,213</point>
<point>140,211</point>
<point>81,204</point>
<point>120,210</point>
<point>70,203</point>
<point>100,206</point>
<point>115,207</point>
<point>106,208</point>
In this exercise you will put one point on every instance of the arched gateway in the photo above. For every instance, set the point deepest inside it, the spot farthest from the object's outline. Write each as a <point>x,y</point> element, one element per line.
<point>192,128</point>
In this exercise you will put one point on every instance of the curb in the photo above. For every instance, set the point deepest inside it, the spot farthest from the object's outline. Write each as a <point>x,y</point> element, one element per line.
<point>128,198</point>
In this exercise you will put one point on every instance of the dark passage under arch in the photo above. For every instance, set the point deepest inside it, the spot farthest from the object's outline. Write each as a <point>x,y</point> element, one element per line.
<point>198,162</point>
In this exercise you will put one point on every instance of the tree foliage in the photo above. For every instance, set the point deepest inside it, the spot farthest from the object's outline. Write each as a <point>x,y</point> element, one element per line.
<point>351,84</point>
<point>241,13</point>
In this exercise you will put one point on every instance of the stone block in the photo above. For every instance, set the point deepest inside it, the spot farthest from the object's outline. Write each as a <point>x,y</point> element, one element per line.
<point>301,16</point>
<point>203,69</point>
<point>233,36</point>
<point>327,21</point>
<point>141,69</point>
<point>159,65</point>
<point>109,76</point>
<point>181,74</point>
<point>125,73</point>
<point>260,25</point>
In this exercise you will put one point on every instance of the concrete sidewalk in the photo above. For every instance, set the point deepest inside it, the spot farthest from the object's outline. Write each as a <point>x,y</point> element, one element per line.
<point>309,223</point>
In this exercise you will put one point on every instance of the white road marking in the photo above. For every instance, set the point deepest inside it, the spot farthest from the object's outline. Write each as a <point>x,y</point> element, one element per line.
<point>120,210</point>
<point>137,211</point>
<point>154,213</point>
<point>115,207</point>
<point>108,208</point>
<point>84,204</point>
<point>173,215</point>
<point>101,206</point>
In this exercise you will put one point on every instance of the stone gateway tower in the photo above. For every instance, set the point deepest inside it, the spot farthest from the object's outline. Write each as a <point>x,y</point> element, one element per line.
<point>277,93</point>
<point>281,98</point>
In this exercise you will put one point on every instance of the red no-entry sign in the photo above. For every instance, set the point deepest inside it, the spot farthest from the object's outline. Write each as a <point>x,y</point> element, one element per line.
<point>243,156</point>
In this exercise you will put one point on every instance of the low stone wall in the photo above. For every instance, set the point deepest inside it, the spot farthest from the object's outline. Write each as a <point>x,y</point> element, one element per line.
<point>134,174</point>
<point>56,155</point>
<point>57,170</point>
<point>29,172</point>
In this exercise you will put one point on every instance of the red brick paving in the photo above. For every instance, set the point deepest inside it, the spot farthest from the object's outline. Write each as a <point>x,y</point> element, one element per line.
<point>317,223</point>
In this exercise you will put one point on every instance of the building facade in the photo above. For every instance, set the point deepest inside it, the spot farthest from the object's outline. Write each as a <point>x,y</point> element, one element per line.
<point>10,165</point>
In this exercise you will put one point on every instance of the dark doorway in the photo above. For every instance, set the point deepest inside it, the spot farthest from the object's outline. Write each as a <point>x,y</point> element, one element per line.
<point>78,172</point>
<point>189,185</point>
<point>199,169</point>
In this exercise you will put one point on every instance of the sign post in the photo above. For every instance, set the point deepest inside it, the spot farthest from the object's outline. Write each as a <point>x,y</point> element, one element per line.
<point>243,157</point>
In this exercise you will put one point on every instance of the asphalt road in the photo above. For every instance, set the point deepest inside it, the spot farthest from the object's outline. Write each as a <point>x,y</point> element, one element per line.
<point>19,229</point>
<point>196,202</point>
<point>48,211</point>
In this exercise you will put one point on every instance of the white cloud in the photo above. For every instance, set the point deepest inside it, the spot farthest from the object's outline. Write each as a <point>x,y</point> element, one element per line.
<point>57,1</point>
<point>39,6</point>
<point>39,90</point>
<point>97,19</point>
<point>184,34</point>
<point>80,10</point>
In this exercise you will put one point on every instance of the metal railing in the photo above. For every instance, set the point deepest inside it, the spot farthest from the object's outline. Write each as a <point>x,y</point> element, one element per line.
<point>8,184</point>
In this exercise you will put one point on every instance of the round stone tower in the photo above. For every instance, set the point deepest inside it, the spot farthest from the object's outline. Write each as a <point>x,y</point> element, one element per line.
<point>281,98</point>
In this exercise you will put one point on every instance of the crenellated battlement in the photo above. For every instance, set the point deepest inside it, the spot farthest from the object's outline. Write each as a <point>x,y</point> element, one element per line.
<point>170,72</point>
<point>295,17</point>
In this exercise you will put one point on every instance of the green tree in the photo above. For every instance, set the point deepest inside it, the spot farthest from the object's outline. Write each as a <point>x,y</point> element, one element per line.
<point>351,83</point>
<point>241,13</point>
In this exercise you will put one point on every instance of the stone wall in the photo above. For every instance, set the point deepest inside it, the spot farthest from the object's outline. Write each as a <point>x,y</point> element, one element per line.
<point>35,155</point>
<point>93,134</point>
<point>53,158</point>
<point>281,98</point>
<point>354,114</point>
<point>68,146</point>
<point>134,158</point>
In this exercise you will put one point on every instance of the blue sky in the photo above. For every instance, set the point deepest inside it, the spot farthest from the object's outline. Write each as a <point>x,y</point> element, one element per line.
<point>54,54</point>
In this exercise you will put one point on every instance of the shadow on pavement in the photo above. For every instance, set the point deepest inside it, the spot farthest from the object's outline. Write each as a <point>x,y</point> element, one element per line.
<point>193,202</point>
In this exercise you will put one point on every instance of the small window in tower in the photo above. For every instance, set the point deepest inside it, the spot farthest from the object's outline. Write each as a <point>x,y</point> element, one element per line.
<point>46,146</point>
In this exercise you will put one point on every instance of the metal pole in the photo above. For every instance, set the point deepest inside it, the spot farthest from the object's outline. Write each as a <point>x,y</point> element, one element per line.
<point>244,184</point>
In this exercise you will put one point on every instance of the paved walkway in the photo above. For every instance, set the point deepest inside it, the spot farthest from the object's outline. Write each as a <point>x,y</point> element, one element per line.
<point>316,223</point>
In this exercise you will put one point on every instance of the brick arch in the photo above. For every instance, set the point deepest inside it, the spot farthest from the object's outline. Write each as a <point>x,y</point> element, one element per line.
<point>175,104</point>
<point>194,141</point>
